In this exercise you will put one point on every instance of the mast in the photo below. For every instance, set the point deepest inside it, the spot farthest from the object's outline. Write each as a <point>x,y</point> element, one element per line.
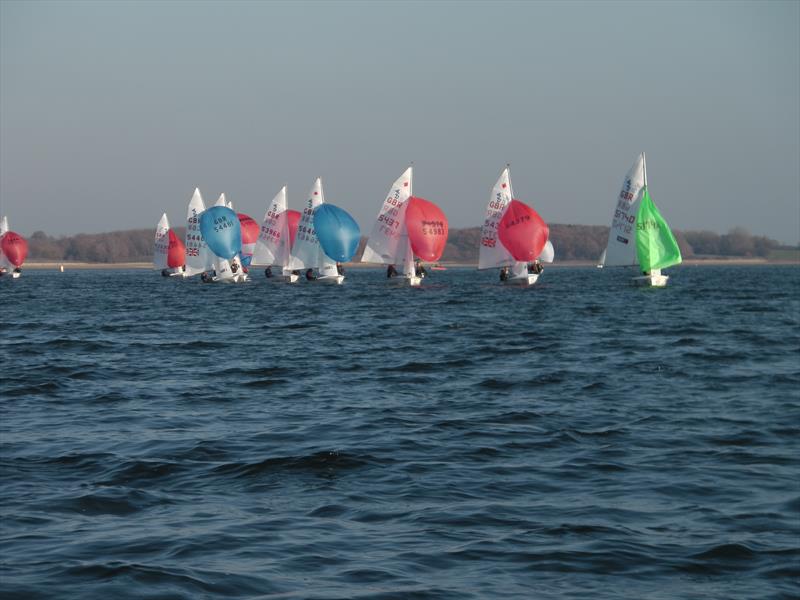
<point>510,188</point>
<point>411,180</point>
<point>644,169</point>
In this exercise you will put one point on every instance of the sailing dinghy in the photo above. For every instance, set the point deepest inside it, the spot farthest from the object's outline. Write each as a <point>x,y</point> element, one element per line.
<point>325,238</point>
<point>275,239</point>
<point>639,235</point>
<point>228,270</point>
<point>406,226</point>
<point>169,253</point>
<point>13,251</point>
<point>513,235</point>
<point>222,231</point>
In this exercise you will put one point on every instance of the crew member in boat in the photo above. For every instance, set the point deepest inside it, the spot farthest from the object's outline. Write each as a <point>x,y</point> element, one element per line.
<point>504,274</point>
<point>165,272</point>
<point>205,277</point>
<point>268,272</point>
<point>391,271</point>
<point>421,272</point>
<point>339,268</point>
<point>310,275</point>
<point>535,267</point>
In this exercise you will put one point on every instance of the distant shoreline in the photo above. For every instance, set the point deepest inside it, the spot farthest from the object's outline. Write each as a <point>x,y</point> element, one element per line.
<point>694,262</point>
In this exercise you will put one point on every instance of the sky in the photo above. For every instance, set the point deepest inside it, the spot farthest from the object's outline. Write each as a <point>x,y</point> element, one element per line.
<point>113,112</point>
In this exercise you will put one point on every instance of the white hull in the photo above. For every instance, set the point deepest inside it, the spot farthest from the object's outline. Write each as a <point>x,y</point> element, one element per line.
<point>330,279</point>
<point>402,281</point>
<point>524,280</point>
<point>651,280</point>
<point>284,278</point>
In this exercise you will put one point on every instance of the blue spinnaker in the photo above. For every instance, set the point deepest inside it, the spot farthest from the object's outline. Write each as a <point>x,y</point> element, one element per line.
<point>337,231</point>
<point>221,230</point>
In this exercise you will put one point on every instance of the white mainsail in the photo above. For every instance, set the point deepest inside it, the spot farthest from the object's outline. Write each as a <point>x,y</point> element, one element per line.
<point>221,201</point>
<point>621,248</point>
<point>492,253</point>
<point>307,252</point>
<point>4,262</point>
<point>272,246</point>
<point>384,244</point>
<point>161,246</point>
<point>198,256</point>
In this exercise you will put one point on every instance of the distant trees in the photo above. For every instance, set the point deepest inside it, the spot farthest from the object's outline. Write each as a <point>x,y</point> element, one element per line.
<point>571,242</point>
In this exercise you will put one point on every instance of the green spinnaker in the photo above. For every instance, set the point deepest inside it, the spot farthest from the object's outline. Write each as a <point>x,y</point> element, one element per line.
<point>656,247</point>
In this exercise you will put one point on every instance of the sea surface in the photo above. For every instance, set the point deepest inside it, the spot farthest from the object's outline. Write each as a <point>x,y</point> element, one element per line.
<point>169,439</point>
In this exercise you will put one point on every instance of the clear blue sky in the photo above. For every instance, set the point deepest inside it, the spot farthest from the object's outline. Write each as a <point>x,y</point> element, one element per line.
<point>112,112</point>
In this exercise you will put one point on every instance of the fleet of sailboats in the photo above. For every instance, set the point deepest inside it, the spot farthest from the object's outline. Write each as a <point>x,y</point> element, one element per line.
<point>220,244</point>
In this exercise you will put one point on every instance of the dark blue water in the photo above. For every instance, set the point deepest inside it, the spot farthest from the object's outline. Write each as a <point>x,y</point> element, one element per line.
<point>579,439</point>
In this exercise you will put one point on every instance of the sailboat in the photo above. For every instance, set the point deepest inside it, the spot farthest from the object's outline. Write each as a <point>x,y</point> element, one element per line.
<point>323,249</point>
<point>228,269</point>
<point>513,235</point>
<point>639,235</point>
<point>169,253</point>
<point>13,250</point>
<point>406,226</point>
<point>222,231</point>
<point>276,238</point>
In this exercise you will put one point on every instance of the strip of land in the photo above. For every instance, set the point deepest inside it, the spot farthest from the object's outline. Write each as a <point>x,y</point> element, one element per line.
<point>55,266</point>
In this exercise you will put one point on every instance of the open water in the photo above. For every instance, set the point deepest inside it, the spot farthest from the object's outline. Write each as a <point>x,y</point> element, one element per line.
<point>579,439</point>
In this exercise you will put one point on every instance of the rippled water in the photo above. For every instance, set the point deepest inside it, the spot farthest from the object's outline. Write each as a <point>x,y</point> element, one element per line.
<point>579,439</point>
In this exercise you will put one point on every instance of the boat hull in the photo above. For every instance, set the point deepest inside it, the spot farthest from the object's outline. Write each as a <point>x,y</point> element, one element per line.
<point>523,280</point>
<point>402,281</point>
<point>330,279</point>
<point>650,281</point>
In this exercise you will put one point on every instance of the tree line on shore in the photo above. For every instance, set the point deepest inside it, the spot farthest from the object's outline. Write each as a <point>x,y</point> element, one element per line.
<point>572,242</point>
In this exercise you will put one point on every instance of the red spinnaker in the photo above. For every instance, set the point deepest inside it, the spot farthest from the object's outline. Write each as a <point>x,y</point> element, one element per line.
<point>522,231</point>
<point>14,247</point>
<point>176,251</point>
<point>427,228</point>
<point>293,219</point>
<point>250,229</point>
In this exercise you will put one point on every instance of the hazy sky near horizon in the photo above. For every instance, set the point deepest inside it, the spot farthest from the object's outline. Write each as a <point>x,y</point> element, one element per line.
<point>113,112</point>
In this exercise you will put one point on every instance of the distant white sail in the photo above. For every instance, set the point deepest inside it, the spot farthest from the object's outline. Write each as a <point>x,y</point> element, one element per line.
<point>221,201</point>
<point>272,246</point>
<point>384,243</point>
<point>161,246</point>
<point>307,252</point>
<point>492,253</point>
<point>621,248</point>
<point>198,256</point>
<point>3,225</point>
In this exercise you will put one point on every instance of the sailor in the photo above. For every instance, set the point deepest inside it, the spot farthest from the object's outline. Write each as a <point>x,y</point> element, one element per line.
<point>535,267</point>
<point>504,274</point>
<point>268,272</point>
<point>165,272</point>
<point>310,275</point>
<point>391,271</point>
<point>339,268</point>
<point>421,272</point>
